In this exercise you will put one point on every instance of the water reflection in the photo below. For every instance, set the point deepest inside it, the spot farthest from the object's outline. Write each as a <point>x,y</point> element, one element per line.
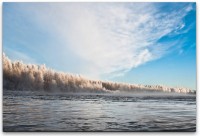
<point>98,113</point>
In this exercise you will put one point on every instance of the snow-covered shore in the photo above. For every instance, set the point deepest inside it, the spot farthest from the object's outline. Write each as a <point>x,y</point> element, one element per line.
<point>20,76</point>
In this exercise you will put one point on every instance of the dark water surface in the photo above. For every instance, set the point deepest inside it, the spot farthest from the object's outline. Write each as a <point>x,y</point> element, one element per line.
<point>26,111</point>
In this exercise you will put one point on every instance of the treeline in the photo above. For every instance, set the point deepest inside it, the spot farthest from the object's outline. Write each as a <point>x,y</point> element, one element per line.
<point>19,76</point>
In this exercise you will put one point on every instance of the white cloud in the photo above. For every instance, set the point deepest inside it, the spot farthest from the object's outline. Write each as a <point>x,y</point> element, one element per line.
<point>111,37</point>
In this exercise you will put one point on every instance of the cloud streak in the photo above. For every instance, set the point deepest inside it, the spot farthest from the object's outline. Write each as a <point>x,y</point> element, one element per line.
<point>111,38</point>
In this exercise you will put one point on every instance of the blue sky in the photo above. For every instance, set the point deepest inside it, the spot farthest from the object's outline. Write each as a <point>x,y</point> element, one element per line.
<point>144,43</point>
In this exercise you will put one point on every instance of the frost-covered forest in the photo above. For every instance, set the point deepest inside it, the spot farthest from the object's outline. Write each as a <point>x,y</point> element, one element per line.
<point>20,76</point>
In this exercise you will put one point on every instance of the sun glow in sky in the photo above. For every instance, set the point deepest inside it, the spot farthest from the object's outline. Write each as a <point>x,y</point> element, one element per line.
<point>144,43</point>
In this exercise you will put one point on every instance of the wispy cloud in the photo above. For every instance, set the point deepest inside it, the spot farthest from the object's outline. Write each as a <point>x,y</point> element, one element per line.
<point>19,56</point>
<point>112,38</point>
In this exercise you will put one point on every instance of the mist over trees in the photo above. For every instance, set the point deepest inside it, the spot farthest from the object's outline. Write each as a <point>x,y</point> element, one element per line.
<point>30,77</point>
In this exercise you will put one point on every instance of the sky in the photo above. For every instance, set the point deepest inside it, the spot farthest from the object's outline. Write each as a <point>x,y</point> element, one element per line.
<point>142,43</point>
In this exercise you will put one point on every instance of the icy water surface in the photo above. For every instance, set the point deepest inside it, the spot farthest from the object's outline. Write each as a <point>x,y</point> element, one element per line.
<point>25,111</point>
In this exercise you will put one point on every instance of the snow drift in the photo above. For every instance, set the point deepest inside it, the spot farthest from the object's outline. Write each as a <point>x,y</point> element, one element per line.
<point>19,76</point>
